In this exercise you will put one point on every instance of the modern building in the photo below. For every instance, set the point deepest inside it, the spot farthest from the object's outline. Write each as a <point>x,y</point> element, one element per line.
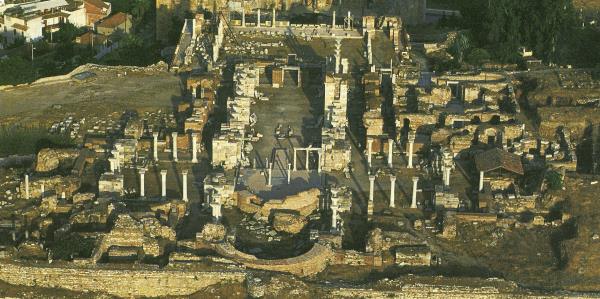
<point>96,10</point>
<point>119,21</point>
<point>30,19</point>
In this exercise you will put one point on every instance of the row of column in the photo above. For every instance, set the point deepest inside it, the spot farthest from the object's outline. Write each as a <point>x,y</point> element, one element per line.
<point>319,162</point>
<point>163,177</point>
<point>258,16</point>
<point>390,158</point>
<point>413,204</point>
<point>42,189</point>
<point>174,149</point>
<point>270,173</point>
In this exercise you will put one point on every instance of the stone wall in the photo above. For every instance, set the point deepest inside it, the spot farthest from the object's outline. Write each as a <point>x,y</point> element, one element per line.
<point>50,159</point>
<point>577,119</point>
<point>57,184</point>
<point>310,263</point>
<point>304,203</point>
<point>424,291</point>
<point>119,282</point>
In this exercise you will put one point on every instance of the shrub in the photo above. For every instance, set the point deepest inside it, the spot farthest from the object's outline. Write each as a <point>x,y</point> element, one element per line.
<point>554,180</point>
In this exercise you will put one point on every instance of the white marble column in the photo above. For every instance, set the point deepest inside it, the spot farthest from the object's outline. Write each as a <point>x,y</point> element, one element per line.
<point>369,150</point>
<point>26,186</point>
<point>194,148</point>
<point>411,142</point>
<point>307,159</point>
<point>369,50</point>
<point>174,143</point>
<point>258,18</point>
<point>334,213</point>
<point>184,196</point>
<point>273,22</point>
<point>289,176</point>
<point>392,191</point>
<point>349,20</point>
<point>216,210</point>
<point>113,164</point>
<point>163,179</point>
<point>391,152</point>
<point>481,176</point>
<point>319,157</point>
<point>413,204</point>
<point>371,187</point>
<point>333,20</point>
<point>295,168</point>
<point>142,182</point>
<point>447,176</point>
<point>243,16</point>
<point>270,174</point>
<point>116,156</point>
<point>155,146</point>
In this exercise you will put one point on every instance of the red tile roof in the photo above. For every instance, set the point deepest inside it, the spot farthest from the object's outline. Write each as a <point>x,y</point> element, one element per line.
<point>497,158</point>
<point>113,21</point>
<point>86,39</point>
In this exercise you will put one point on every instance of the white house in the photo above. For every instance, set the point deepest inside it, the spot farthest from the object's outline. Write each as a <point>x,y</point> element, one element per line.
<point>29,20</point>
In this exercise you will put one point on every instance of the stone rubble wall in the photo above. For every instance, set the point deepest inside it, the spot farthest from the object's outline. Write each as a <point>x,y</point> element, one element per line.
<point>158,67</point>
<point>427,292</point>
<point>123,283</point>
<point>310,263</point>
<point>49,159</point>
<point>58,184</point>
<point>304,203</point>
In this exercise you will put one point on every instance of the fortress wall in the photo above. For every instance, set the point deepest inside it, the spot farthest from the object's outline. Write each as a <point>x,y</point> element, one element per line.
<point>125,283</point>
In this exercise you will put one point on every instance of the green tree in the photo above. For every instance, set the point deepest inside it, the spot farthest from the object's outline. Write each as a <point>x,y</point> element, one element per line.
<point>132,50</point>
<point>66,33</point>
<point>140,9</point>
<point>16,70</point>
<point>554,180</point>
<point>477,56</point>
<point>460,45</point>
<point>121,5</point>
<point>502,26</point>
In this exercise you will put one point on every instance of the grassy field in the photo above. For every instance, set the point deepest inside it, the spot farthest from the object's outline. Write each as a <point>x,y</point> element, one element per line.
<point>29,140</point>
<point>106,92</point>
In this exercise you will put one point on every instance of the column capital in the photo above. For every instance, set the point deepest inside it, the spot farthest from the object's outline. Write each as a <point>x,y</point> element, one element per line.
<point>184,172</point>
<point>155,134</point>
<point>392,178</point>
<point>415,179</point>
<point>163,172</point>
<point>142,170</point>
<point>194,135</point>
<point>174,134</point>
<point>371,178</point>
